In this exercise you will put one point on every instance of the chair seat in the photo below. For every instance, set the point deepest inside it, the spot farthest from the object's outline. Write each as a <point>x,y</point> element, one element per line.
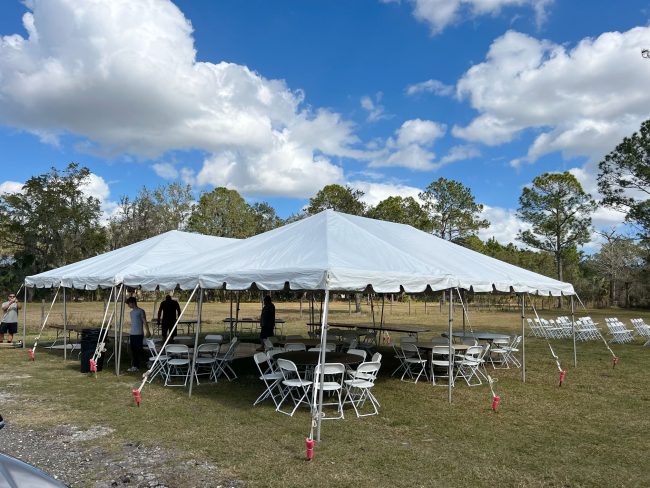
<point>296,382</point>
<point>415,360</point>
<point>271,376</point>
<point>205,360</point>
<point>328,385</point>
<point>359,383</point>
<point>178,362</point>
<point>440,363</point>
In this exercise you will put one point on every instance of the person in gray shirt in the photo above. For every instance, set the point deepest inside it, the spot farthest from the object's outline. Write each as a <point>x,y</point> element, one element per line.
<point>9,323</point>
<point>136,339</point>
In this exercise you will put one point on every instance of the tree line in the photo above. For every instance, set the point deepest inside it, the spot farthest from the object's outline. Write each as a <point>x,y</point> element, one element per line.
<point>52,221</point>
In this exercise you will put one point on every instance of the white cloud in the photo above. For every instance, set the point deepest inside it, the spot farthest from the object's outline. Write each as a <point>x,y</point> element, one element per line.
<point>439,14</point>
<point>376,192</point>
<point>581,100</point>
<point>504,225</point>
<point>430,86</point>
<point>124,76</point>
<point>95,186</point>
<point>375,110</point>
<point>165,170</point>
<point>460,153</point>
<point>11,187</point>
<point>411,146</point>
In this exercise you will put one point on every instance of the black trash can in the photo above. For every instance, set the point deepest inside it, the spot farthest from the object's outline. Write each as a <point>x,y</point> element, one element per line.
<point>89,340</point>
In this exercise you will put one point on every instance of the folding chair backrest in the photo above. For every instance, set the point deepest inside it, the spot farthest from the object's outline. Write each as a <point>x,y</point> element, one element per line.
<point>218,338</point>
<point>405,339</point>
<point>329,369</point>
<point>208,348</point>
<point>261,359</point>
<point>474,352</point>
<point>267,344</point>
<point>370,368</point>
<point>358,352</point>
<point>152,346</point>
<point>287,368</point>
<point>440,351</point>
<point>376,357</point>
<point>410,349</point>
<point>178,349</point>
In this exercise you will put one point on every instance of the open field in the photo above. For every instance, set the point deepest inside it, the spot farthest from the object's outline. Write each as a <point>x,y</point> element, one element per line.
<point>591,432</point>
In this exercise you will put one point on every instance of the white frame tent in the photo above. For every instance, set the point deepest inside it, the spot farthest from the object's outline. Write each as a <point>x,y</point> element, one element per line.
<point>108,269</point>
<point>333,251</point>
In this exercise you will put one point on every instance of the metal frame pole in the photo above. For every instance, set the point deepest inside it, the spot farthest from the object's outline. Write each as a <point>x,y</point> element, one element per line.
<point>573,329</point>
<point>451,351</point>
<point>65,327</point>
<point>321,361</point>
<point>117,372</point>
<point>119,349</point>
<point>196,339</point>
<point>25,319</point>
<point>523,338</point>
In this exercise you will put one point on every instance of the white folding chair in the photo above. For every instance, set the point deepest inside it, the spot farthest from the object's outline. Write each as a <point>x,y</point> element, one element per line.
<point>414,363</point>
<point>498,354</point>
<point>295,346</point>
<point>178,364</point>
<point>358,352</point>
<point>217,338</point>
<point>272,379</point>
<point>294,386</point>
<point>333,376</point>
<point>440,359</point>
<point>206,356</point>
<point>359,388</point>
<point>467,365</point>
<point>223,362</point>
<point>161,366</point>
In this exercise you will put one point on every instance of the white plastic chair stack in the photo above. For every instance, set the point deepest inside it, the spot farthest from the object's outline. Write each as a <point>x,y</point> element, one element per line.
<point>617,330</point>
<point>642,329</point>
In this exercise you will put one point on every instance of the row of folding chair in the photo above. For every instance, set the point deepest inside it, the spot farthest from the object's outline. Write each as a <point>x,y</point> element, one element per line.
<point>642,329</point>
<point>618,332</point>
<point>213,360</point>
<point>284,383</point>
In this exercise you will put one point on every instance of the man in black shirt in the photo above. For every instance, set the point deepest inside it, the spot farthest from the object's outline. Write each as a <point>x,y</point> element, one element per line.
<point>170,310</point>
<point>267,318</point>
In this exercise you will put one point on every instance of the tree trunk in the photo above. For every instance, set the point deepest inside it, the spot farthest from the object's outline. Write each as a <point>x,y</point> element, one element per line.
<point>357,303</point>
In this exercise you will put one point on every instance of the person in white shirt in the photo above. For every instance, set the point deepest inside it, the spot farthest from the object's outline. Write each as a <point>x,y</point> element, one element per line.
<point>9,323</point>
<point>136,339</point>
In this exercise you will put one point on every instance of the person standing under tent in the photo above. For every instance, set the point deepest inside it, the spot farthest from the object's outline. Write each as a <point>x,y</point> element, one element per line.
<point>170,310</point>
<point>9,322</point>
<point>267,318</point>
<point>136,339</point>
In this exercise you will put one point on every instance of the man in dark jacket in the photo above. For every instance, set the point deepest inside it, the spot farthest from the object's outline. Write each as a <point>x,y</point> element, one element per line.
<point>170,310</point>
<point>267,318</point>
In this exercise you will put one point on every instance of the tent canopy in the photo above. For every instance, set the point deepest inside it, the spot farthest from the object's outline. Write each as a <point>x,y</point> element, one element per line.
<point>337,251</point>
<point>108,269</point>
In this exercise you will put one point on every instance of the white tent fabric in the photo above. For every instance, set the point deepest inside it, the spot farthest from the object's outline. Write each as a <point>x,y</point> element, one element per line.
<point>337,251</point>
<point>108,269</point>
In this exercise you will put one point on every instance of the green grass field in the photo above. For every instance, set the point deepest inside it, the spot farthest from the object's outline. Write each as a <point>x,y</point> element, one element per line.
<point>593,431</point>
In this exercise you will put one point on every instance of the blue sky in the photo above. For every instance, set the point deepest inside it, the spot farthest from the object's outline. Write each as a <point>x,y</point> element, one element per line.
<point>277,99</point>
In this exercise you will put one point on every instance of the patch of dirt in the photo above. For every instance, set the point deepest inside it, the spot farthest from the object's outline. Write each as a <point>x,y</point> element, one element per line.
<point>67,453</point>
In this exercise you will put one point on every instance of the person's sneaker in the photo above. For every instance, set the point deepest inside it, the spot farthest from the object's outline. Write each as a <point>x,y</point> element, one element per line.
<point>132,369</point>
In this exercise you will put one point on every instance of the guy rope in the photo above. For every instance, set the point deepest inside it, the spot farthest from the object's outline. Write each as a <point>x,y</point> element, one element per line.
<point>170,335</point>
<point>557,359</point>
<point>615,358</point>
<point>32,350</point>
<point>103,331</point>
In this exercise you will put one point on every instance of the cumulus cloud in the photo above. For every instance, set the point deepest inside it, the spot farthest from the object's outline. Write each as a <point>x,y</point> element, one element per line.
<point>460,153</point>
<point>11,187</point>
<point>504,225</point>
<point>166,171</point>
<point>581,101</point>
<point>124,76</point>
<point>375,110</point>
<point>410,147</point>
<point>430,86</point>
<point>439,14</point>
<point>376,192</point>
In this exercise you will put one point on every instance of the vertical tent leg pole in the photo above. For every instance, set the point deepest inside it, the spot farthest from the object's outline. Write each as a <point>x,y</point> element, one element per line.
<point>573,329</point>
<point>196,339</point>
<point>230,315</point>
<point>523,338</point>
<point>117,371</point>
<point>65,327</point>
<point>451,351</point>
<point>119,348</point>
<point>233,334</point>
<point>25,319</point>
<point>321,361</point>
<point>464,313</point>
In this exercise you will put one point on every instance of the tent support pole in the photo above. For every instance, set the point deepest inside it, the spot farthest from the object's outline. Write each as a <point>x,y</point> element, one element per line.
<point>25,319</point>
<point>119,348</point>
<point>199,313</point>
<point>573,330</point>
<point>233,334</point>
<point>523,338</point>
<point>115,332</point>
<point>465,301</point>
<point>323,342</point>
<point>65,327</point>
<point>450,330</point>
